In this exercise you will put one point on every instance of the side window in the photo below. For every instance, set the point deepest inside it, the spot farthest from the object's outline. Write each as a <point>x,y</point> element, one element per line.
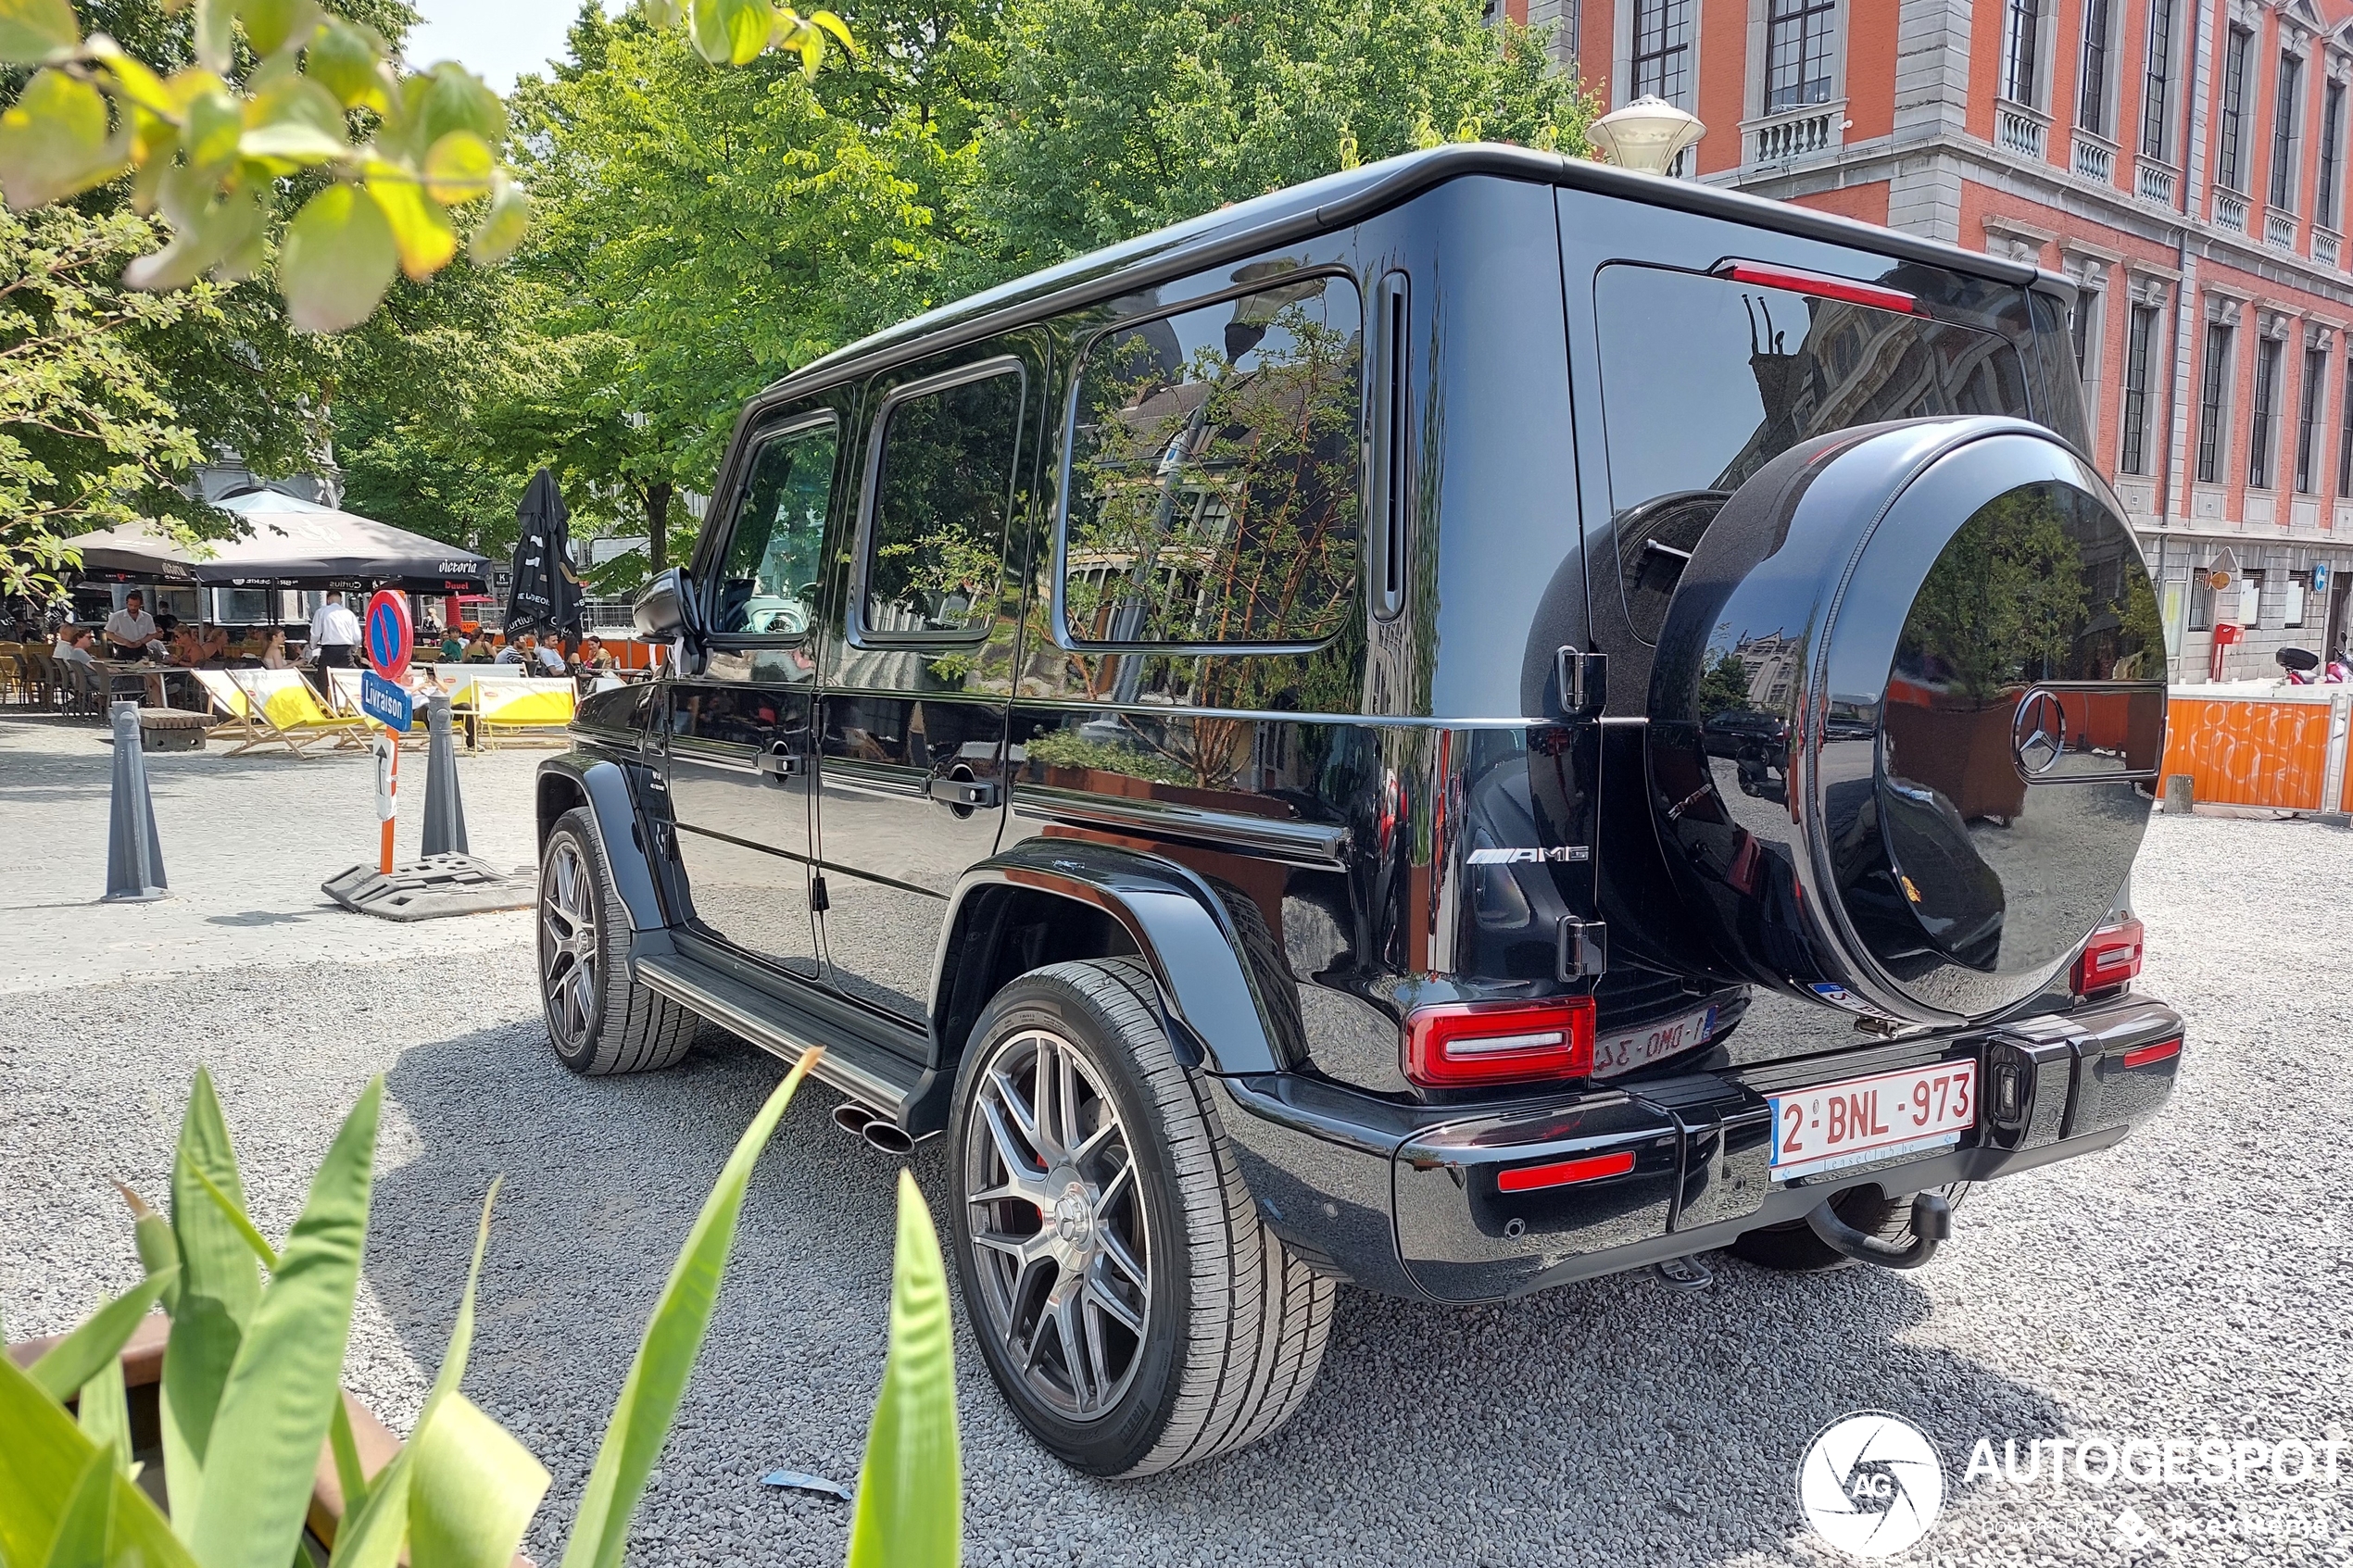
<point>1214,489</point>
<point>768,578</point>
<point>1706,380</point>
<point>943,489</point>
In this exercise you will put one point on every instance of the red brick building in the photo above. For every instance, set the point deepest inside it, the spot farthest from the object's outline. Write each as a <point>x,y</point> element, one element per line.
<point>2183,161</point>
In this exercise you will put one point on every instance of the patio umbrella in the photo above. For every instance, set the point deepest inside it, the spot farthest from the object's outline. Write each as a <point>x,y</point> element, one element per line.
<point>545,596</point>
<point>289,543</point>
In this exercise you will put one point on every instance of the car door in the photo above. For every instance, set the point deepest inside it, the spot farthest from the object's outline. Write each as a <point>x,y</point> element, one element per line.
<point>737,742</point>
<point>918,666</point>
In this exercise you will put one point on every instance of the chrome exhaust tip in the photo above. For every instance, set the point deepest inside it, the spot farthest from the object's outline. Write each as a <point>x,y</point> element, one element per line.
<point>887,1137</point>
<point>853,1118</point>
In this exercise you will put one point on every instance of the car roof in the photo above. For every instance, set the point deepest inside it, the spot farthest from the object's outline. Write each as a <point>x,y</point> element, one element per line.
<point>1333,202</point>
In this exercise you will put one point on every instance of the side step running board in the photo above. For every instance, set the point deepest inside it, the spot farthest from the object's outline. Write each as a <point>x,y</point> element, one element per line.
<point>862,1072</point>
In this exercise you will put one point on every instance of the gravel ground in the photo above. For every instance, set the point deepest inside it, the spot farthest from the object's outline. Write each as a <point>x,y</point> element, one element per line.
<point>2192,1283</point>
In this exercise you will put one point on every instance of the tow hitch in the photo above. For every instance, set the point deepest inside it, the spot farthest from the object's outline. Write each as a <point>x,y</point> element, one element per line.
<point>1932,1223</point>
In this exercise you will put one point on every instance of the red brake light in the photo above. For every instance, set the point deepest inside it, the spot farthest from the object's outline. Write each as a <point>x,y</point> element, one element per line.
<point>1562,1173</point>
<point>1820,286</point>
<point>1472,1043</point>
<point>2110,959</point>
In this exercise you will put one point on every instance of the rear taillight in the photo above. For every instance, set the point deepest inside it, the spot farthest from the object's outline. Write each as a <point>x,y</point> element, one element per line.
<point>1564,1172</point>
<point>1465,1044</point>
<point>2149,1056</point>
<point>2110,959</point>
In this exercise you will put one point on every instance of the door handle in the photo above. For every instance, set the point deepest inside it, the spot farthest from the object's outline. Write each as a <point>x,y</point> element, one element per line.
<point>778,763</point>
<point>972,794</point>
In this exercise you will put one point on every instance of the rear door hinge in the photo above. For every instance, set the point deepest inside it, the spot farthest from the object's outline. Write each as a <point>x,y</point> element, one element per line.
<point>817,904</point>
<point>1584,949</point>
<point>1584,680</point>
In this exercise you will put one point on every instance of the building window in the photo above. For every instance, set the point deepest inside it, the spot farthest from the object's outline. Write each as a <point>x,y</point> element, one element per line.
<point>2345,436</point>
<point>2332,154</point>
<point>2214,384</point>
<point>2156,86</point>
<point>2087,305</point>
<point>2228,161</point>
<point>2201,601</point>
<point>1662,49</point>
<point>2292,604</point>
<point>2021,37</point>
<point>2258,424</point>
<point>2307,419</point>
<point>2141,339</point>
<point>2091,82</point>
<point>2251,601</point>
<point>2286,104</point>
<point>1797,52</point>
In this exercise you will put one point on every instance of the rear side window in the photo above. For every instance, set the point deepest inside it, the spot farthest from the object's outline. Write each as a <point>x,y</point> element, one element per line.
<point>1214,490</point>
<point>943,486</point>
<point>1706,380</point>
<point>768,578</point>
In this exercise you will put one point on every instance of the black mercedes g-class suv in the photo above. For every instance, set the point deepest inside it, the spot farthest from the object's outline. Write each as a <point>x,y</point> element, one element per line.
<point>1477,723</point>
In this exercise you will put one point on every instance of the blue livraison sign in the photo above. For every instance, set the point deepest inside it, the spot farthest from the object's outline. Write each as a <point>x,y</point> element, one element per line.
<point>381,700</point>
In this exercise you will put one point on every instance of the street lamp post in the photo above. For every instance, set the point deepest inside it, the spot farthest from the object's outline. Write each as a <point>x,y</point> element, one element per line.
<point>1647,135</point>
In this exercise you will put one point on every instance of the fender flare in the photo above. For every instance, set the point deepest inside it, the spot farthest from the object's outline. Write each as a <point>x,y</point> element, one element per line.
<point>604,787</point>
<point>1210,995</point>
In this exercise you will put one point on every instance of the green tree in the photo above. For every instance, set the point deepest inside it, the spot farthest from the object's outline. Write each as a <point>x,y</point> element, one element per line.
<point>1115,116</point>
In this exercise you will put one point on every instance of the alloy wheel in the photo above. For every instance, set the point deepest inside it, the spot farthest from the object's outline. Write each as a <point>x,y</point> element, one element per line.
<point>568,946</point>
<point>1057,1225</point>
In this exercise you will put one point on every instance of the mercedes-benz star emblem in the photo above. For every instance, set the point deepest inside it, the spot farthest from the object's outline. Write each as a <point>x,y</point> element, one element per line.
<point>2038,736</point>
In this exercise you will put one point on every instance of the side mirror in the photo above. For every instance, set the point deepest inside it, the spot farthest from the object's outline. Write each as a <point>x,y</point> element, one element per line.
<point>666,607</point>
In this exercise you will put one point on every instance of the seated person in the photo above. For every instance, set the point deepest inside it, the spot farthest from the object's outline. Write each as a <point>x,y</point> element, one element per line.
<point>72,647</point>
<point>551,657</point>
<point>130,629</point>
<point>453,646</point>
<point>592,659</point>
<point>273,652</point>
<point>479,650</point>
<point>522,651</point>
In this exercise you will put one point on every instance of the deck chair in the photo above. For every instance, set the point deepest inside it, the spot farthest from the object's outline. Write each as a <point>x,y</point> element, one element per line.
<point>343,692</point>
<point>275,707</point>
<point>517,707</point>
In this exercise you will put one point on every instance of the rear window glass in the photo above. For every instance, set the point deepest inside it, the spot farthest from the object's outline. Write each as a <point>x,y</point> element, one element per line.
<point>1213,485</point>
<point>1706,380</point>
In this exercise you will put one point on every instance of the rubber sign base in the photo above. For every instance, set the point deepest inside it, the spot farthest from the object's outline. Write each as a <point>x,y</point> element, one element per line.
<point>435,886</point>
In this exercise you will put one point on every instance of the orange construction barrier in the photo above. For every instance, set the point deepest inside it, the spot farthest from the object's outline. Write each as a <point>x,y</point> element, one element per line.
<point>2267,747</point>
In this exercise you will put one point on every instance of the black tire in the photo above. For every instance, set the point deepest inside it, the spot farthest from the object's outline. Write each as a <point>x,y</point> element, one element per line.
<point>599,1019</point>
<point>1232,1327</point>
<point>1793,1248</point>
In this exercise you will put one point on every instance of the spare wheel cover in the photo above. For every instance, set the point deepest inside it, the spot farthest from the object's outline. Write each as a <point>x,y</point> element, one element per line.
<point>1907,717</point>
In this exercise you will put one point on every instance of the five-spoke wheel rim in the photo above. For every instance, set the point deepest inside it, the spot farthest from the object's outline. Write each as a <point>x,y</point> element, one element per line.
<point>567,945</point>
<point>1059,1240</point>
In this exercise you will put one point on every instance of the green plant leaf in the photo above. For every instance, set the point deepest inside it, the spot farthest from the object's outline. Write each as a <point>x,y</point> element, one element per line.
<point>337,260</point>
<point>458,168</point>
<point>455,99</point>
<point>247,1231</point>
<point>270,24</point>
<point>650,1395</point>
<point>372,1537</point>
<point>31,30</point>
<point>216,37</point>
<point>46,1456</point>
<point>420,229</point>
<point>99,1339</point>
<point>910,1487</point>
<point>661,14</point>
<point>219,1284</point>
<point>296,118</point>
<point>834,25</point>
<point>342,57</point>
<point>280,1395</point>
<point>54,140</point>
<point>351,1477</point>
<point>731,31</point>
<point>102,1409</point>
<point>504,226</point>
<point>80,1540</point>
<point>472,1490</point>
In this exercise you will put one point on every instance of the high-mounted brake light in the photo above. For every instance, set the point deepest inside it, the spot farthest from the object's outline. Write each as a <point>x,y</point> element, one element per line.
<point>1564,1172</point>
<point>2110,959</point>
<point>1462,1044</point>
<point>1820,286</point>
<point>2149,1056</point>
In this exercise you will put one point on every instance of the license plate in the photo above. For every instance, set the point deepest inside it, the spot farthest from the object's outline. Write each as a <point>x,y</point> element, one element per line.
<point>1862,1119</point>
<point>1656,1042</point>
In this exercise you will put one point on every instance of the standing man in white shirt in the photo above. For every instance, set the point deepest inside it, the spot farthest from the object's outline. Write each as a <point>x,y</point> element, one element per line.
<point>334,632</point>
<point>130,629</point>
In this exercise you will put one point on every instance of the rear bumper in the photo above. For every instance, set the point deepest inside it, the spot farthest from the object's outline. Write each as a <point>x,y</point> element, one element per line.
<point>1406,1200</point>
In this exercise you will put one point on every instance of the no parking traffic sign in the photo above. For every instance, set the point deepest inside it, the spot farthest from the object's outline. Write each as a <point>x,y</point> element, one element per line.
<point>391,639</point>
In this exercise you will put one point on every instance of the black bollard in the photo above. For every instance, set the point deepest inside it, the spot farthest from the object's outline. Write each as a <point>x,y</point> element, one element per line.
<point>445,813</point>
<point>135,856</point>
